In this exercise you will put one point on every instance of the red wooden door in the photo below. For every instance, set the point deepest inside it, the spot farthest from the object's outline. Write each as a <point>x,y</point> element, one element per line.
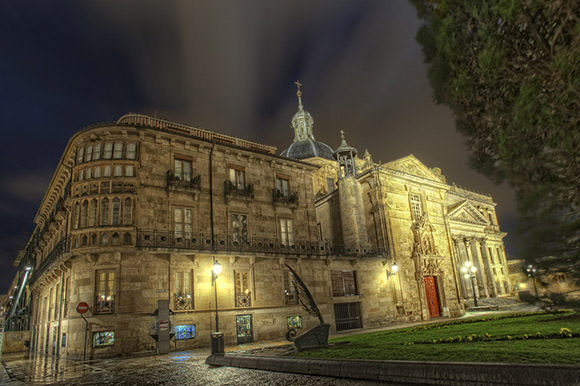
<point>432,298</point>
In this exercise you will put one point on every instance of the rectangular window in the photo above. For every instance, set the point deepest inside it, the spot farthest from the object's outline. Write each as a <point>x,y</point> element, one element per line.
<point>118,171</point>
<point>416,207</point>
<point>89,153</point>
<point>186,331</point>
<point>118,150</point>
<point>97,172</point>
<point>283,185</point>
<point>97,152</point>
<point>183,296</point>
<point>129,171</point>
<point>239,228</point>
<point>242,286</point>
<point>182,169</point>
<point>182,222</point>
<point>105,292</point>
<point>63,339</point>
<point>237,177</point>
<point>80,154</point>
<point>108,153</point>
<point>286,232</point>
<point>131,150</point>
<point>89,173</point>
<point>289,290</point>
<point>343,283</point>
<point>103,339</point>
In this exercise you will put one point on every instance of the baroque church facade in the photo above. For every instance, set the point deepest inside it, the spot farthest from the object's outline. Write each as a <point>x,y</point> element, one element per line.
<point>139,210</point>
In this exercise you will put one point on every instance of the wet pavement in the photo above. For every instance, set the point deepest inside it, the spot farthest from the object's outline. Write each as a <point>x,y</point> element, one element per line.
<point>179,368</point>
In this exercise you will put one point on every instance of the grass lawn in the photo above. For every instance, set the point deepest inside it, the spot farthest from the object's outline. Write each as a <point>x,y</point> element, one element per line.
<point>522,339</point>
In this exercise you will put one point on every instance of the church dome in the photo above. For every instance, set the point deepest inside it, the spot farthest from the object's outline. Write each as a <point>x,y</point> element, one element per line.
<point>305,145</point>
<point>308,148</point>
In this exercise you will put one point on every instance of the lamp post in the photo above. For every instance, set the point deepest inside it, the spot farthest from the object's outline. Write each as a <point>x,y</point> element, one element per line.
<point>531,270</point>
<point>469,270</point>
<point>217,338</point>
<point>216,269</point>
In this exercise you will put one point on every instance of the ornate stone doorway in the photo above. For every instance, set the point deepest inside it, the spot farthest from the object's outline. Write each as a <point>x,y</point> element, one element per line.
<point>432,295</point>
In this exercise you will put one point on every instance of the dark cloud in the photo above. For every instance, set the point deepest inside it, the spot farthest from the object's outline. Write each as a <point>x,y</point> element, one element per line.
<point>222,65</point>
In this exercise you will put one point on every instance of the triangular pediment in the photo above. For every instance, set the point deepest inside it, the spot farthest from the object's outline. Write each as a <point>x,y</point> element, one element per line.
<point>411,165</point>
<point>464,212</point>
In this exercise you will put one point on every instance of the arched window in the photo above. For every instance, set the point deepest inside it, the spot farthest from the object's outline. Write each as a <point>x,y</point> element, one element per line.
<point>115,239</point>
<point>98,172</point>
<point>107,171</point>
<point>108,153</point>
<point>89,173</point>
<point>105,239</point>
<point>129,171</point>
<point>85,240</point>
<point>93,213</point>
<point>105,211</point>
<point>118,150</point>
<point>94,239</point>
<point>118,171</point>
<point>97,152</point>
<point>127,239</point>
<point>80,153</point>
<point>131,153</point>
<point>89,153</point>
<point>127,211</point>
<point>116,211</point>
<point>84,211</point>
<point>75,218</point>
<point>81,175</point>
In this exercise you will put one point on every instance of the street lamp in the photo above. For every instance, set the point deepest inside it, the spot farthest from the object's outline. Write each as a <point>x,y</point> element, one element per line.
<point>531,270</point>
<point>469,273</point>
<point>217,338</point>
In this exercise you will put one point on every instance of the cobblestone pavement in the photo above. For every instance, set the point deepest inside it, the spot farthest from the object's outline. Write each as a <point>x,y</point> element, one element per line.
<point>185,368</point>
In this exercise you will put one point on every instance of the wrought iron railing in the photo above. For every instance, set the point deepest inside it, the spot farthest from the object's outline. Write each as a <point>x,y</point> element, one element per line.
<point>231,190</point>
<point>59,249</point>
<point>183,301</point>
<point>104,304</point>
<point>227,243</point>
<point>176,182</point>
<point>281,198</point>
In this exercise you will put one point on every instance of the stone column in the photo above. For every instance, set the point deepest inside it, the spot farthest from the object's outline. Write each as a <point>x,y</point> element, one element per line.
<point>459,263</point>
<point>480,274</point>
<point>469,254</point>
<point>488,269</point>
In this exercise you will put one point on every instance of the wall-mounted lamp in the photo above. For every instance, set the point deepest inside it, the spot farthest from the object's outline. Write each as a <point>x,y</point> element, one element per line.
<point>393,271</point>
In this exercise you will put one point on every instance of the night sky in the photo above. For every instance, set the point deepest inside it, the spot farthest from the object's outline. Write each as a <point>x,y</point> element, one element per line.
<point>228,66</point>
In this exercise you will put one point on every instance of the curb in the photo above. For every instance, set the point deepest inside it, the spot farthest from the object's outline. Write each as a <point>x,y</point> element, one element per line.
<point>411,372</point>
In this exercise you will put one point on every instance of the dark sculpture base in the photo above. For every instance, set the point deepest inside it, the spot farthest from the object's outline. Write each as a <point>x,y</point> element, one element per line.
<point>316,337</point>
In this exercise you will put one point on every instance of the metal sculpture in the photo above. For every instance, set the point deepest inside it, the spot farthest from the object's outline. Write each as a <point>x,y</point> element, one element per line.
<point>317,336</point>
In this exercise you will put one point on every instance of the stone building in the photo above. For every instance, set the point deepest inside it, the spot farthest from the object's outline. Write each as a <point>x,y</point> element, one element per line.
<point>139,210</point>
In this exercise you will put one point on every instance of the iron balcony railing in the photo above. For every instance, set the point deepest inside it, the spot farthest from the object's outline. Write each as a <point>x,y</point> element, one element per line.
<point>104,304</point>
<point>228,243</point>
<point>62,247</point>
<point>176,182</point>
<point>290,198</point>
<point>231,190</point>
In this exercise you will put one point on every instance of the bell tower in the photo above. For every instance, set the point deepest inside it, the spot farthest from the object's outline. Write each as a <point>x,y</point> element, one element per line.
<point>352,213</point>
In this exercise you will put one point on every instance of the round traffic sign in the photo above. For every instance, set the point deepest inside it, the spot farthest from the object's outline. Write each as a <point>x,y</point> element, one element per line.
<point>82,307</point>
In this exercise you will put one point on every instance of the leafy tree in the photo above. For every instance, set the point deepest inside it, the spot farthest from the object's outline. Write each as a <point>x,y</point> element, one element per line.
<point>510,71</point>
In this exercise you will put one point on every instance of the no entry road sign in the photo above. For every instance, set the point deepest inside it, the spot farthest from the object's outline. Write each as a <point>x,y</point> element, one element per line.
<point>82,307</point>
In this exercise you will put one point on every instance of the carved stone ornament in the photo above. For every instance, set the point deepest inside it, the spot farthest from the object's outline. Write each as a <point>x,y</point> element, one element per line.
<point>430,267</point>
<point>423,242</point>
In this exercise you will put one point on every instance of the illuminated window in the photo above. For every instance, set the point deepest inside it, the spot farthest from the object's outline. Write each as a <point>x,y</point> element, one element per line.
<point>186,331</point>
<point>182,222</point>
<point>237,177</point>
<point>183,296</point>
<point>286,232</point>
<point>105,292</point>
<point>103,339</point>
<point>182,169</point>
<point>242,286</point>
<point>416,208</point>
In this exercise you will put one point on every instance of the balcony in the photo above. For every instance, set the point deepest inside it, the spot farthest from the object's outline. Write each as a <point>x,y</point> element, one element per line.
<point>59,249</point>
<point>104,304</point>
<point>289,199</point>
<point>233,191</point>
<point>175,182</point>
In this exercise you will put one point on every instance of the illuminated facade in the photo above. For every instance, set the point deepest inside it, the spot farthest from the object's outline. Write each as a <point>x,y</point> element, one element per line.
<point>139,209</point>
